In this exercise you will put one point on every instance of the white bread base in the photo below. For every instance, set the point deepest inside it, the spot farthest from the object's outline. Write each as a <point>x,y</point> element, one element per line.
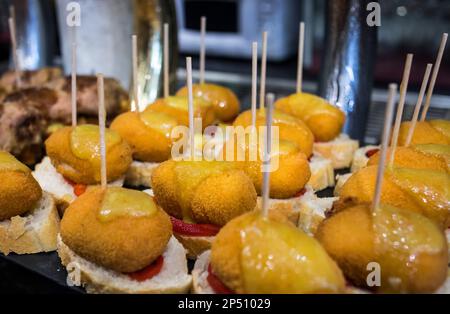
<point>340,181</point>
<point>322,173</point>
<point>140,173</point>
<point>359,157</point>
<point>340,150</point>
<point>54,183</point>
<point>173,277</point>
<point>32,233</point>
<point>200,283</point>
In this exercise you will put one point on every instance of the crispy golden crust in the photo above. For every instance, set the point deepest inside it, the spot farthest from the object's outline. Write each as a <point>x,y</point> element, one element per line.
<point>118,159</point>
<point>294,130</point>
<point>125,244</point>
<point>406,157</point>
<point>349,238</point>
<point>220,198</point>
<point>291,176</point>
<point>216,200</point>
<point>424,133</point>
<point>148,145</point>
<point>225,102</point>
<point>324,120</point>
<point>19,193</point>
<point>360,188</point>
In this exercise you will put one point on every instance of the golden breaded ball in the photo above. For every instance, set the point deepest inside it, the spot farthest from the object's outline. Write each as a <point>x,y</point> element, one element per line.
<point>289,128</point>
<point>220,198</point>
<point>19,193</point>
<point>124,244</point>
<point>349,237</point>
<point>58,146</point>
<point>225,102</point>
<point>147,144</point>
<point>424,133</point>
<point>406,157</point>
<point>324,120</point>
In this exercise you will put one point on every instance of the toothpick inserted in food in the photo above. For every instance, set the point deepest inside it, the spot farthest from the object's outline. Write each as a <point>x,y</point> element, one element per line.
<point>267,151</point>
<point>262,91</point>
<point>301,45</point>
<point>190,106</point>
<point>418,104</point>
<point>74,83</point>
<point>101,124</point>
<point>202,49</point>
<point>384,145</point>
<point>135,72</point>
<point>166,60</point>
<point>12,32</point>
<point>254,80</point>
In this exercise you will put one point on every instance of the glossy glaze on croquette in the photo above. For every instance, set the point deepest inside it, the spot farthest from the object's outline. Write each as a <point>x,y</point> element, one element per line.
<point>424,133</point>
<point>19,193</point>
<point>58,146</point>
<point>125,244</point>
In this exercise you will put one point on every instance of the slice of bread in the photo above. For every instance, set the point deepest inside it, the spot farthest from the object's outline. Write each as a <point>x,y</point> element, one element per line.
<point>32,233</point>
<point>200,283</point>
<point>359,157</point>
<point>54,183</point>
<point>312,211</point>
<point>322,173</point>
<point>340,150</point>
<point>140,174</point>
<point>173,277</point>
<point>340,181</point>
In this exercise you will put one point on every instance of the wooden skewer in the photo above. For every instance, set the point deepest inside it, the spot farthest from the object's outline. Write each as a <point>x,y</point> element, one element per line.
<point>166,60</point>
<point>190,106</point>
<point>401,104</point>
<point>202,49</point>
<point>254,81</point>
<point>135,72</point>
<point>101,123</point>
<point>74,83</point>
<point>437,65</point>
<point>12,32</point>
<point>262,90</point>
<point>301,45</point>
<point>267,150</point>
<point>418,104</point>
<point>384,144</point>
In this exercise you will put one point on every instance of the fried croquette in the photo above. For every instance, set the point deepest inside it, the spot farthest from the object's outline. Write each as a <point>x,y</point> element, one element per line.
<point>407,157</point>
<point>225,102</point>
<point>19,193</point>
<point>351,238</point>
<point>289,128</point>
<point>324,120</point>
<point>203,192</point>
<point>86,171</point>
<point>403,188</point>
<point>425,132</point>
<point>147,144</point>
<point>252,254</point>
<point>125,244</point>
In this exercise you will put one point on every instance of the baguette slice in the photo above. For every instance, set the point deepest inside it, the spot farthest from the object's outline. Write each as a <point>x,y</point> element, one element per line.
<point>32,233</point>
<point>340,181</point>
<point>340,150</point>
<point>360,159</point>
<point>54,183</point>
<point>140,174</point>
<point>322,173</point>
<point>173,277</point>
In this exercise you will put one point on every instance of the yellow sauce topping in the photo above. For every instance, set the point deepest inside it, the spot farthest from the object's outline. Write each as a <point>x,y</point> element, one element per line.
<point>85,141</point>
<point>442,126</point>
<point>119,202</point>
<point>278,258</point>
<point>181,102</point>
<point>159,121</point>
<point>189,174</point>
<point>9,163</point>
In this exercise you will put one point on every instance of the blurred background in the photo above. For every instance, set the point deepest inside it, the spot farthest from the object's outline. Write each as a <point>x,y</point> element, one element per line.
<point>407,26</point>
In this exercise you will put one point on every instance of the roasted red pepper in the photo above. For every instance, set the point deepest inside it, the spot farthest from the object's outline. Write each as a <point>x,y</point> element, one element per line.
<point>148,272</point>
<point>199,230</point>
<point>216,284</point>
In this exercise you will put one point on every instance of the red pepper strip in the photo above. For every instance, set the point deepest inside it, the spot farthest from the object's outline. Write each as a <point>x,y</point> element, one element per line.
<point>216,284</point>
<point>371,152</point>
<point>148,272</point>
<point>300,193</point>
<point>78,189</point>
<point>199,230</point>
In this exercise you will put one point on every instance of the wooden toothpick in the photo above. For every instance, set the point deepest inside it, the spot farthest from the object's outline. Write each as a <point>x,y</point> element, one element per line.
<point>135,72</point>
<point>254,81</point>
<point>74,83</point>
<point>202,49</point>
<point>418,104</point>
<point>437,65</point>
<point>301,45</point>
<point>262,91</point>
<point>190,106</point>
<point>267,150</point>
<point>401,104</point>
<point>12,32</point>
<point>101,123</point>
<point>166,60</point>
<point>384,145</point>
